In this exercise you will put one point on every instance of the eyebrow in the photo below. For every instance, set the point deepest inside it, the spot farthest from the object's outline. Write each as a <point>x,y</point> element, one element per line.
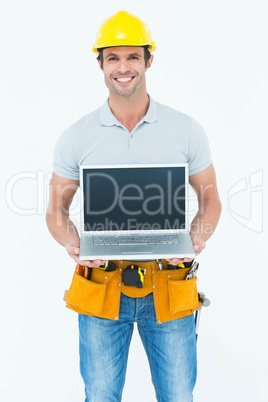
<point>116,55</point>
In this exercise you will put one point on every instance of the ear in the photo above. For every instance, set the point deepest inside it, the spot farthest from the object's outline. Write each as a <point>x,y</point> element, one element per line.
<point>149,62</point>
<point>99,63</point>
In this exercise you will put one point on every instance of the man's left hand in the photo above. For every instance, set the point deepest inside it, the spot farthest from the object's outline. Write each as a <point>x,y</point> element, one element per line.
<point>199,246</point>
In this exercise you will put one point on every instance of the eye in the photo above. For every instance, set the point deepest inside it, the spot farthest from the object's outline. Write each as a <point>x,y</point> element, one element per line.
<point>111,59</point>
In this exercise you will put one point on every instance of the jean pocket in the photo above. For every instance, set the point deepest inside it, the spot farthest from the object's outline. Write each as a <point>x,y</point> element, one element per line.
<point>182,295</point>
<point>86,295</point>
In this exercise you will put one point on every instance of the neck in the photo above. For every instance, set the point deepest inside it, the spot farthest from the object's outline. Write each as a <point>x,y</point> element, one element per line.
<point>129,110</point>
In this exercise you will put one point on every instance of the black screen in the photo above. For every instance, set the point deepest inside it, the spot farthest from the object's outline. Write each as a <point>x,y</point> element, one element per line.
<point>150,198</point>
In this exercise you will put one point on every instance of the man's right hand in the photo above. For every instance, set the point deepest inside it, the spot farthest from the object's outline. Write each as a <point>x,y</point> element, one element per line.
<point>73,249</point>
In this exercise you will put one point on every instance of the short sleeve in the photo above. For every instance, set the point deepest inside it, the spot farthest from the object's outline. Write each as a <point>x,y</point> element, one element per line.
<point>199,155</point>
<point>65,161</point>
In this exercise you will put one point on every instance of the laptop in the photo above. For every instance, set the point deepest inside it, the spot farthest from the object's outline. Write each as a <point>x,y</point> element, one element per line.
<point>134,212</point>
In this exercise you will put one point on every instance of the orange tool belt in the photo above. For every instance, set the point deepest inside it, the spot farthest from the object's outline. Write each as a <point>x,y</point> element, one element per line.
<point>174,297</point>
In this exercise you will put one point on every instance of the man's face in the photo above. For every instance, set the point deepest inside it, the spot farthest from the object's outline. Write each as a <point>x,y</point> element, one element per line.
<point>124,69</point>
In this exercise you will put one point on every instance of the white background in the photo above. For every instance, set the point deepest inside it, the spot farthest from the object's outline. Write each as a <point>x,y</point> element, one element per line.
<point>211,63</point>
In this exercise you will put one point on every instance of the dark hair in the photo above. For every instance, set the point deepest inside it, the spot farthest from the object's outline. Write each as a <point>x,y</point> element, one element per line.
<point>147,55</point>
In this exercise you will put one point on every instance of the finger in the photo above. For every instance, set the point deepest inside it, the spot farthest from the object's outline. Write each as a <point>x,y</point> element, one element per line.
<point>73,244</point>
<point>93,264</point>
<point>100,262</point>
<point>78,261</point>
<point>198,242</point>
<point>74,249</point>
<point>187,259</point>
<point>175,261</point>
<point>86,263</point>
<point>199,247</point>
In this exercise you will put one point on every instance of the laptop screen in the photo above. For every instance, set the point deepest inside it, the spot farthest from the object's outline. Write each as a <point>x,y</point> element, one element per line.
<point>134,198</point>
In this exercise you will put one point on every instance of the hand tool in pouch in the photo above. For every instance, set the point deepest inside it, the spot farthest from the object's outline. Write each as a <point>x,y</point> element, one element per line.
<point>87,272</point>
<point>191,274</point>
<point>178,266</point>
<point>205,302</point>
<point>108,266</point>
<point>160,265</point>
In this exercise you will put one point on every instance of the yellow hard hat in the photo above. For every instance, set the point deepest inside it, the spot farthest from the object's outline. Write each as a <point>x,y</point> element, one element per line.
<point>123,29</point>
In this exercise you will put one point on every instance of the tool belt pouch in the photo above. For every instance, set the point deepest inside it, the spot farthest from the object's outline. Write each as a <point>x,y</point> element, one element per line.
<point>174,296</point>
<point>86,295</point>
<point>99,296</point>
<point>182,295</point>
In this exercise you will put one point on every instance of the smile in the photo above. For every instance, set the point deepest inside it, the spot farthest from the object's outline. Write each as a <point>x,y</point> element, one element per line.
<point>124,79</point>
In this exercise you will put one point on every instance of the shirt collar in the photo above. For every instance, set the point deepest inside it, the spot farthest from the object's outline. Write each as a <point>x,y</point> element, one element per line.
<point>107,118</point>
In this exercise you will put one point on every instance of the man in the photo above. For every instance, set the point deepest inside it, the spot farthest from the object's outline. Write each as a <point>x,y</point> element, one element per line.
<point>132,128</point>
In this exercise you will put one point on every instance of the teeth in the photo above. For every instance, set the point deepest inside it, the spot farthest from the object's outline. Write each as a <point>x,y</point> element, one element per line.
<point>126,79</point>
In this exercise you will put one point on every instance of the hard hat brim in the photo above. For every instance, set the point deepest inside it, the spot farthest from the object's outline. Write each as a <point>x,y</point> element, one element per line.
<point>151,45</point>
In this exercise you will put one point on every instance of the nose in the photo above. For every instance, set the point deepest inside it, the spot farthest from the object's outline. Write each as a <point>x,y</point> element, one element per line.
<point>123,66</point>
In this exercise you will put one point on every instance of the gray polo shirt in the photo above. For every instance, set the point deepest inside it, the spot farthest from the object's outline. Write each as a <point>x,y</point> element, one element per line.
<point>164,135</point>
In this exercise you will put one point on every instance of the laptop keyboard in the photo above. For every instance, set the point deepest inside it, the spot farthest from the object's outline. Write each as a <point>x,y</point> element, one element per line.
<point>134,239</point>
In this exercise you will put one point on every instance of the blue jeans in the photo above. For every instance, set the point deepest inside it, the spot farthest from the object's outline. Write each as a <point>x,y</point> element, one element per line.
<point>170,347</point>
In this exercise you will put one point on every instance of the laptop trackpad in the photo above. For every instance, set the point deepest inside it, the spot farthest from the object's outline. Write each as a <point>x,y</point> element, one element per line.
<point>135,249</point>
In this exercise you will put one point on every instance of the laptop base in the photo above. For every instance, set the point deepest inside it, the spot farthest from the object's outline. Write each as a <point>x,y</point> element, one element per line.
<point>184,249</point>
